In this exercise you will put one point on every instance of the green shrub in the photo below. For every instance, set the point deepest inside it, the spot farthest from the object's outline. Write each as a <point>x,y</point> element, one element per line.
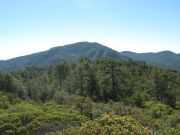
<point>157,109</point>
<point>28,118</point>
<point>4,101</point>
<point>178,105</point>
<point>69,131</point>
<point>114,125</point>
<point>138,98</point>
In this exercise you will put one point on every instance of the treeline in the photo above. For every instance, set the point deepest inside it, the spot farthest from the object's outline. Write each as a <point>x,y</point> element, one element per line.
<point>102,80</point>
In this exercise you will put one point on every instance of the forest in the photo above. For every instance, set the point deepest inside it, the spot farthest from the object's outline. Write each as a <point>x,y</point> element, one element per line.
<point>90,97</point>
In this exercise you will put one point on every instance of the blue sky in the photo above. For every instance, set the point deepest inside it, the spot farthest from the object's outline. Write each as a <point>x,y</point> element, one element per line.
<point>28,26</point>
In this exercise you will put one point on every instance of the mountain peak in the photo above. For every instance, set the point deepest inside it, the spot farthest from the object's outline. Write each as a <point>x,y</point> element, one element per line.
<point>70,52</point>
<point>79,45</point>
<point>85,43</point>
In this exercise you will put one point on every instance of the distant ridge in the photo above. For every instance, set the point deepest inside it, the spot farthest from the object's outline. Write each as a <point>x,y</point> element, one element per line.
<point>165,59</point>
<point>71,52</point>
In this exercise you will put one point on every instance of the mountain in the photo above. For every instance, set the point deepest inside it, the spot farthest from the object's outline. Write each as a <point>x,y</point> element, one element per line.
<point>165,59</point>
<point>74,52</point>
<point>71,52</point>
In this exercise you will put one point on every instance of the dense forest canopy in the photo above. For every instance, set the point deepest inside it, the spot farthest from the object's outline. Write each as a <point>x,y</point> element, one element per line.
<point>69,97</point>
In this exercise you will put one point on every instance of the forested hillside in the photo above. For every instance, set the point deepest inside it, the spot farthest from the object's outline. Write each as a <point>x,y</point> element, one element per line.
<point>102,97</point>
<point>70,53</point>
<point>165,59</point>
<point>91,50</point>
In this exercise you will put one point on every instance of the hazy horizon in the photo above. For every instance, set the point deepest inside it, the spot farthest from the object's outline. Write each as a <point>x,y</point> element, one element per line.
<point>140,26</point>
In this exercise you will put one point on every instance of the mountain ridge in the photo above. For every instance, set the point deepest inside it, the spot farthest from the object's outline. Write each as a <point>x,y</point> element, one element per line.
<point>70,52</point>
<point>167,59</point>
<point>92,50</point>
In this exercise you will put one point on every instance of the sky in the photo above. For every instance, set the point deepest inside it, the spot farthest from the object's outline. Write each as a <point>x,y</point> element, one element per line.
<point>29,26</point>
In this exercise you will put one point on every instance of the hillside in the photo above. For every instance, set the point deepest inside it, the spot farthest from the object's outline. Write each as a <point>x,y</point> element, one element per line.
<point>72,52</point>
<point>166,59</point>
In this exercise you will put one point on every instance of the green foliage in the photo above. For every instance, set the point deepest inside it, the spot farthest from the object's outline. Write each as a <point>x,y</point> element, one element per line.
<point>178,105</point>
<point>102,80</point>
<point>114,125</point>
<point>10,84</point>
<point>38,100</point>
<point>60,97</point>
<point>138,98</point>
<point>68,131</point>
<point>112,107</point>
<point>84,105</point>
<point>26,118</point>
<point>157,109</point>
<point>4,101</point>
